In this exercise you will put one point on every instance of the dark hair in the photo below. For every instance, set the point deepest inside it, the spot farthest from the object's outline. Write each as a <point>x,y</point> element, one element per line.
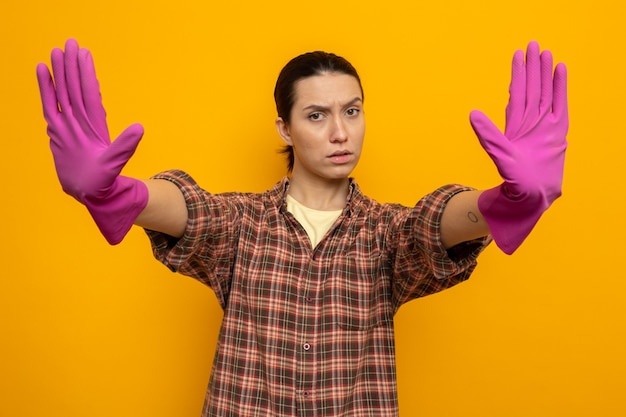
<point>304,66</point>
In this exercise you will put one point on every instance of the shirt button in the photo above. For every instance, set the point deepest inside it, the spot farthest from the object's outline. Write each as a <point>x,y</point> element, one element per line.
<point>306,346</point>
<point>305,393</point>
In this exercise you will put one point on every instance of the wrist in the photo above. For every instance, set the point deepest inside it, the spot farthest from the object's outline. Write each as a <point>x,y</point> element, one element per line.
<point>115,211</point>
<point>510,216</point>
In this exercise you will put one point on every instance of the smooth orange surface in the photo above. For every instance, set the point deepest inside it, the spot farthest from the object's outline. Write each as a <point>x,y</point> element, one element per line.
<point>99,331</point>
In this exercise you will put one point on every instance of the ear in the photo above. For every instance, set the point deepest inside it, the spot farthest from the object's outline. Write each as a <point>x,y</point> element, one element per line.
<point>283,131</point>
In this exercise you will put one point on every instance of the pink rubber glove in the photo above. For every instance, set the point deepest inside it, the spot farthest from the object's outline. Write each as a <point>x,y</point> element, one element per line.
<point>530,154</point>
<point>88,164</point>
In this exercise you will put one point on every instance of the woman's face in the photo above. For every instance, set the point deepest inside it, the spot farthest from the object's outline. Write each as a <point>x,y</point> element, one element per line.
<point>327,126</point>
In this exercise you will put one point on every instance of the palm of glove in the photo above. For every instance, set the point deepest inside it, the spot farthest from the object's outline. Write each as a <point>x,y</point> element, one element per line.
<point>530,154</point>
<point>86,161</point>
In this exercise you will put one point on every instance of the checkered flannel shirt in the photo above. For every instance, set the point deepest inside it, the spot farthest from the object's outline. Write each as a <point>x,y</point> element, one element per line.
<point>309,331</point>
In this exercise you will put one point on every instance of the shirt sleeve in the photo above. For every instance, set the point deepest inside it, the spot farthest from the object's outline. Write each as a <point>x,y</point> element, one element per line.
<point>205,251</point>
<point>421,264</point>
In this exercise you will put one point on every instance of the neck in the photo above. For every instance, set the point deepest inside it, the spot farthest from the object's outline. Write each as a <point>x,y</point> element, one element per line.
<point>320,195</point>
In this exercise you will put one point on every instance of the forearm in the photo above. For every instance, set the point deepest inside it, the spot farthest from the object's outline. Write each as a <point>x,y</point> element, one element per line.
<point>461,220</point>
<point>166,211</point>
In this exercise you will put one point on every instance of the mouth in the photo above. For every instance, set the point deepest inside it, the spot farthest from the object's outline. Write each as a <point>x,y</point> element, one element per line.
<point>340,153</point>
<point>340,157</point>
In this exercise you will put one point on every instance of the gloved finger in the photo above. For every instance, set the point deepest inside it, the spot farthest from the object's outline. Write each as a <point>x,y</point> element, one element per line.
<point>497,146</point>
<point>58,71</point>
<point>559,102</point>
<point>533,85</point>
<point>517,96</point>
<point>92,98</point>
<point>545,102</point>
<point>122,148</point>
<point>48,94</point>
<point>72,78</point>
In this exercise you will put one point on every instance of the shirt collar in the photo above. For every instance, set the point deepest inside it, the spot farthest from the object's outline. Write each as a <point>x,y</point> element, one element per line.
<point>278,195</point>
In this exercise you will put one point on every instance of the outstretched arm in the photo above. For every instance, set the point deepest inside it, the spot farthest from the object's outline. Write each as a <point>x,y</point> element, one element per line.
<point>88,163</point>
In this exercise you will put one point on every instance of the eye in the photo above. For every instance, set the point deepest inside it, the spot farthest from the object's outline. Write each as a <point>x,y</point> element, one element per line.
<point>353,111</point>
<point>315,116</point>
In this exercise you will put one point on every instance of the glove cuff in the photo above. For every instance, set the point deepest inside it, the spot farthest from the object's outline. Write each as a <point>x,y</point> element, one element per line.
<point>116,212</point>
<point>510,217</point>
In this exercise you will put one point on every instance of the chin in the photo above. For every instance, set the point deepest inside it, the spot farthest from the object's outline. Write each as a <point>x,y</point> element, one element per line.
<point>341,173</point>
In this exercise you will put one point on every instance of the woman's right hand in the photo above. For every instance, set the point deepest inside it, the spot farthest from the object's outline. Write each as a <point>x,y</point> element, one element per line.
<point>88,164</point>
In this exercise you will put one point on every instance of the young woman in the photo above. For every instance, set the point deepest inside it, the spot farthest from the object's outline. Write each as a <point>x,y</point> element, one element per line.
<point>311,272</point>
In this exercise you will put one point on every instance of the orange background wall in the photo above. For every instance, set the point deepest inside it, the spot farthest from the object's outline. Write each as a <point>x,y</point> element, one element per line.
<point>93,330</point>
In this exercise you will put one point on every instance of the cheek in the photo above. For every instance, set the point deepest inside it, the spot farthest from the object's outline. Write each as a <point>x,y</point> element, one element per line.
<point>307,138</point>
<point>359,133</point>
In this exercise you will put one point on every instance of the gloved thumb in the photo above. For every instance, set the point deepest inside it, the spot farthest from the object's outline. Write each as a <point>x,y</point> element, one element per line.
<point>123,148</point>
<point>490,137</point>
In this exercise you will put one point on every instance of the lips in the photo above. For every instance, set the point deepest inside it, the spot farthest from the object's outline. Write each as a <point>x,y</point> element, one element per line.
<point>340,157</point>
<point>340,153</point>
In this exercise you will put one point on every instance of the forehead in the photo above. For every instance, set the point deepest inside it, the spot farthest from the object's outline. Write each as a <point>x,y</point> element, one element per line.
<point>326,88</point>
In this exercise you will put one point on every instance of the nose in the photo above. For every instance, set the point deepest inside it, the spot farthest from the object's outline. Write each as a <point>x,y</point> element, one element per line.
<point>339,132</point>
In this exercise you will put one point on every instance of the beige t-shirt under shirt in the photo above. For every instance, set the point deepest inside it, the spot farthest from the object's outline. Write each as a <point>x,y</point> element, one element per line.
<point>315,222</point>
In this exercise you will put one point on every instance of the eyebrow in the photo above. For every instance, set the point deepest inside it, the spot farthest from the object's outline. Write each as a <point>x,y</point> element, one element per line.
<point>320,107</point>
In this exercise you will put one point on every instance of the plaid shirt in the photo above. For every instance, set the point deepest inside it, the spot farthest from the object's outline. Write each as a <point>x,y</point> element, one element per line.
<point>309,331</point>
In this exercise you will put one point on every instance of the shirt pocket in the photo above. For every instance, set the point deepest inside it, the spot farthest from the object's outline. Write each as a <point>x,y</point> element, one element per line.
<point>359,294</point>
